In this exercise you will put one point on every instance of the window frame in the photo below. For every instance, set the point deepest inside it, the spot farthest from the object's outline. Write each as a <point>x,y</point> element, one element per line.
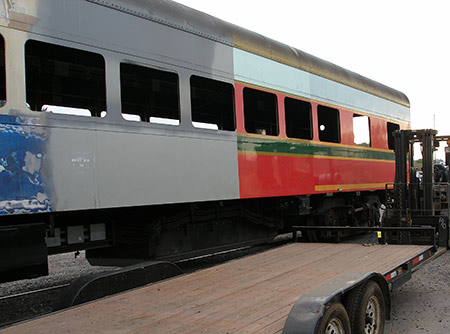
<point>157,119</point>
<point>390,137</point>
<point>337,132</point>
<point>95,114</point>
<point>286,113</point>
<point>262,131</point>
<point>369,144</point>
<point>198,124</point>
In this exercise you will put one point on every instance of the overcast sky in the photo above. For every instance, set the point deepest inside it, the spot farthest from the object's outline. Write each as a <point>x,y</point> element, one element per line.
<point>402,44</point>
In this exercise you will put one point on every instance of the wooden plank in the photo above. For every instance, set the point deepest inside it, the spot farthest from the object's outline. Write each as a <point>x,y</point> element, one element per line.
<point>248,295</point>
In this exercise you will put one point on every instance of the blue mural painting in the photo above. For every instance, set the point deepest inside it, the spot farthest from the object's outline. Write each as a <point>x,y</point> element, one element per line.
<point>22,154</point>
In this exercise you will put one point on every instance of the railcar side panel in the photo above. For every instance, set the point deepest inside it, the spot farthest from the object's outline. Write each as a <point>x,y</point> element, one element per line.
<point>90,165</point>
<point>94,162</point>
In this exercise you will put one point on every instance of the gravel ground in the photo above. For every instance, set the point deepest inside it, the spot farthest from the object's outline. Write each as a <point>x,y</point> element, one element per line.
<point>421,305</point>
<point>63,268</point>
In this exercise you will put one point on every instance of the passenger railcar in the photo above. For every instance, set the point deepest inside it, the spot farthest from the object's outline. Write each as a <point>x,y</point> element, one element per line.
<point>147,129</point>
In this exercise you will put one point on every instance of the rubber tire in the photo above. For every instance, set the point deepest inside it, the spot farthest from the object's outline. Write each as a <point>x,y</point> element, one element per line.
<point>357,305</point>
<point>335,311</point>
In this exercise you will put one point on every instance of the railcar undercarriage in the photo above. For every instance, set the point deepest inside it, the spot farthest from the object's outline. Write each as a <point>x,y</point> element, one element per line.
<point>130,235</point>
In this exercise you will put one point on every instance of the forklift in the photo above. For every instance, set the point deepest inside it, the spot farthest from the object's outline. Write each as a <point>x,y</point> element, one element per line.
<point>419,197</point>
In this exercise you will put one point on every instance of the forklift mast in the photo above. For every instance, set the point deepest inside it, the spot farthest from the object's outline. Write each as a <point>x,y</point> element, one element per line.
<point>406,183</point>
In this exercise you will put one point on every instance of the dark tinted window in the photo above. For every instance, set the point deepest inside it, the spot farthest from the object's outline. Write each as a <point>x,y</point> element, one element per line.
<point>298,118</point>
<point>260,112</point>
<point>329,125</point>
<point>64,80</point>
<point>391,128</point>
<point>212,104</point>
<point>149,95</point>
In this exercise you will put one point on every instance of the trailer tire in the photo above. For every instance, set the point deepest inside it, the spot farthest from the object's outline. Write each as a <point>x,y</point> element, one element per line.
<point>366,309</point>
<point>335,320</point>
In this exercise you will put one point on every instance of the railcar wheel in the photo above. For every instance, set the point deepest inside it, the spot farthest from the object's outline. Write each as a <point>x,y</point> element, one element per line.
<point>335,320</point>
<point>367,311</point>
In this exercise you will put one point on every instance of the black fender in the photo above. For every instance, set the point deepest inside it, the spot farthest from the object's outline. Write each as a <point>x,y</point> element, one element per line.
<point>309,309</point>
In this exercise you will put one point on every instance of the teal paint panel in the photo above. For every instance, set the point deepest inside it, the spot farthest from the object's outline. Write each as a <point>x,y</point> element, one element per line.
<point>261,71</point>
<point>264,72</point>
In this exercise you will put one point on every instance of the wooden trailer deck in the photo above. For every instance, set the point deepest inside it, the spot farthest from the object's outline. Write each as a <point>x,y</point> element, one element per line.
<point>249,295</point>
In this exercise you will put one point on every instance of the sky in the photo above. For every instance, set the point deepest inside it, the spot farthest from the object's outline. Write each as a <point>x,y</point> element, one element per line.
<point>402,44</point>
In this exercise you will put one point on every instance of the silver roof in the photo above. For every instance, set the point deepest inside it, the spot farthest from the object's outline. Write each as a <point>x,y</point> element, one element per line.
<point>184,18</point>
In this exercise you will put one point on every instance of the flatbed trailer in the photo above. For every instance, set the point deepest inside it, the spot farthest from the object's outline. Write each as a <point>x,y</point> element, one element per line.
<point>289,289</point>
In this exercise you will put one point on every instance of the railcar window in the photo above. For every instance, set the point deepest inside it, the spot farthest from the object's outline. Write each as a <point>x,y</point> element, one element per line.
<point>298,118</point>
<point>149,95</point>
<point>64,80</point>
<point>212,104</point>
<point>361,130</point>
<point>329,125</point>
<point>2,73</point>
<point>391,128</point>
<point>260,112</point>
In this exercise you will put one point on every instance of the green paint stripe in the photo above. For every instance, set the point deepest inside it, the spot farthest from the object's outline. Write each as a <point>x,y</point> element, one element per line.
<point>252,145</point>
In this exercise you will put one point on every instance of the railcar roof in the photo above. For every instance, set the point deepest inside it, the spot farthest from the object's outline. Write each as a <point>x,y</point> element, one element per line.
<point>193,21</point>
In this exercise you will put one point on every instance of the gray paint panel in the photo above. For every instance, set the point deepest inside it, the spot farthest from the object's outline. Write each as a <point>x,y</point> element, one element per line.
<point>71,162</point>
<point>151,169</point>
<point>103,169</point>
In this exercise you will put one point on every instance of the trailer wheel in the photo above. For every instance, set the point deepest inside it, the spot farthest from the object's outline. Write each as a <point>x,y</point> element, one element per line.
<point>366,309</point>
<point>335,320</point>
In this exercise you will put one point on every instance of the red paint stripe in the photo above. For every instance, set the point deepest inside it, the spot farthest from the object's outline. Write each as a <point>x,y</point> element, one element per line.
<point>272,176</point>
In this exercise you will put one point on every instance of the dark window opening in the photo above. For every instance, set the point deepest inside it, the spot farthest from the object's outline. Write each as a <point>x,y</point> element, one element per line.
<point>298,118</point>
<point>260,112</point>
<point>64,80</point>
<point>212,104</point>
<point>149,95</point>
<point>391,128</point>
<point>361,130</point>
<point>329,125</point>
<point>2,73</point>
